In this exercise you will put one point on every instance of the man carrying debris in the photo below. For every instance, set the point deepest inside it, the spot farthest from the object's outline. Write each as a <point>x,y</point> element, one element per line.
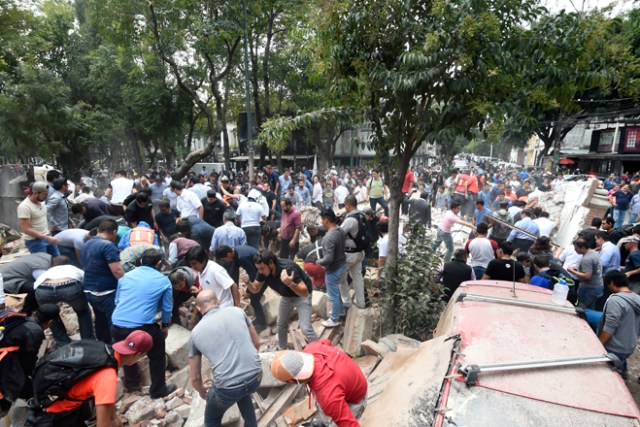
<point>336,381</point>
<point>294,286</point>
<point>233,354</point>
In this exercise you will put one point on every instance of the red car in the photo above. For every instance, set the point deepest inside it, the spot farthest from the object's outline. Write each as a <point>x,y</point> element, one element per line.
<point>502,355</point>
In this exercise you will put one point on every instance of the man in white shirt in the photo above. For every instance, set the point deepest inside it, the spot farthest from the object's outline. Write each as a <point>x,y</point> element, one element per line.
<point>214,277</point>
<point>188,203</point>
<point>340,193</point>
<point>251,214</point>
<point>545,224</point>
<point>119,189</point>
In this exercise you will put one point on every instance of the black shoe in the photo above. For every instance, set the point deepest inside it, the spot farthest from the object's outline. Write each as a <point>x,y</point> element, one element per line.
<point>168,389</point>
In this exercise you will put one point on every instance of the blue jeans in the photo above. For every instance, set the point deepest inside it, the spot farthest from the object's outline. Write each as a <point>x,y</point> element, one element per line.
<point>448,243</point>
<point>41,246</point>
<point>373,202</point>
<point>479,272</point>
<point>73,294</point>
<point>618,216</point>
<point>103,307</point>
<point>221,399</point>
<point>332,282</point>
<point>305,309</point>
<point>588,296</point>
<point>623,361</point>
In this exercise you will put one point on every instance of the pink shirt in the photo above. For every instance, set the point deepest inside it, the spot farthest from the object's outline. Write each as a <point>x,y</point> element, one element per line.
<point>448,220</point>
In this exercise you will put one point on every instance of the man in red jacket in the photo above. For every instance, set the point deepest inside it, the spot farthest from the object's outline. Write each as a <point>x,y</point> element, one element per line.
<point>337,382</point>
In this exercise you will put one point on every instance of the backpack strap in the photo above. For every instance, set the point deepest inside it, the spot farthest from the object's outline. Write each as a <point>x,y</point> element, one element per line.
<point>6,350</point>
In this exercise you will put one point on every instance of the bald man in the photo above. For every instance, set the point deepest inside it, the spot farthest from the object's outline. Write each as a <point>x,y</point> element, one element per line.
<point>236,367</point>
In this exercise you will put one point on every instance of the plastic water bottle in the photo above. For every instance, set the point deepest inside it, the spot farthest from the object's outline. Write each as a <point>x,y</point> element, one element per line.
<point>560,292</point>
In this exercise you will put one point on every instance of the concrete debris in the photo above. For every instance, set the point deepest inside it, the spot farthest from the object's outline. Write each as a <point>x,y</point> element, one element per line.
<point>176,346</point>
<point>358,328</point>
<point>196,414</point>
<point>319,301</point>
<point>270,303</point>
<point>142,409</point>
<point>301,411</point>
<point>268,380</point>
<point>370,347</point>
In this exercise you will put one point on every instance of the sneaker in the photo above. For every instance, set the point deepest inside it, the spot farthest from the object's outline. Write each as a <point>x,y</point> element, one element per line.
<point>168,389</point>
<point>330,323</point>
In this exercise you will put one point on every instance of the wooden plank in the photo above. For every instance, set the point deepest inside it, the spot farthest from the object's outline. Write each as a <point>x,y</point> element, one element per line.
<point>285,397</point>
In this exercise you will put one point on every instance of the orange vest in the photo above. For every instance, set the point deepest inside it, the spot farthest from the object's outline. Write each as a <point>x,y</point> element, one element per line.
<point>142,235</point>
<point>461,183</point>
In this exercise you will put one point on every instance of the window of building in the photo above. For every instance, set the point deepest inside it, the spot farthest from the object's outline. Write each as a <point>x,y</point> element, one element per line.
<point>631,143</point>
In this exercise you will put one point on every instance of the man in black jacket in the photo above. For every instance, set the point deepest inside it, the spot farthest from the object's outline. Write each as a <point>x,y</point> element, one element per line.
<point>455,272</point>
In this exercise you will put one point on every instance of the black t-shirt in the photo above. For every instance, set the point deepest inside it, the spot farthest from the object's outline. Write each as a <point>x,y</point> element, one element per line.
<point>213,212</point>
<point>276,284</point>
<point>167,222</point>
<point>502,269</point>
<point>136,214</point>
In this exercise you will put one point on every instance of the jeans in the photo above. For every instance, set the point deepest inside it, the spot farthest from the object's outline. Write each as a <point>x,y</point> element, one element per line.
<point>220,399</point>
<point>354,268</point>
<point>304,307</point>
<point>373,202</point>
<point>71,253</point>
<point>253,236</point>
<point>588,296</point>
<point>155,355</point>
<point>618,216</point>
<point>479,272</point>
<point>633,218</point>
<point>623,361</point>
<point>41,246</point>
<point>332,281</point>
<point>103,307</point>
<point>73,294</point>
<point>522,245</point>
<point>448,243</point>
<point>179,298</point>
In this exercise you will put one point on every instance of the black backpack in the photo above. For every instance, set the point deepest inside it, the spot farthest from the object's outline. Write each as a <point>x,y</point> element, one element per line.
<point>59,370</point>
<point>10,319</point>
<point>362,239</point>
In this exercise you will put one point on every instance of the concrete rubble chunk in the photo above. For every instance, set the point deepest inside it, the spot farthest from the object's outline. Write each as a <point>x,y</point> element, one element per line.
<point>319,302</point>
<point>176,346</point>
<point>270,303</point>
<point>368,363</point>
<point>183,411</point>
<point>196,415</point>
<point>358,328</point>
<point>301,411</point>
<point>401,341</point>
<point>125,404</point>
<point>142,409</point>
<point>390,344</point>
<point>268,380</point>
<point>370,347</point>
<point>173,419</point>
<point>173,403</point>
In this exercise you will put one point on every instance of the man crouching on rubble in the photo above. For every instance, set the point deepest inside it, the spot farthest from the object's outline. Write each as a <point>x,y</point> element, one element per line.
<point>338,384</point>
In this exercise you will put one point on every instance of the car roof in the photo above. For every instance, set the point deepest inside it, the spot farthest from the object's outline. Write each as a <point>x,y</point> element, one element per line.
<point>502,333</point>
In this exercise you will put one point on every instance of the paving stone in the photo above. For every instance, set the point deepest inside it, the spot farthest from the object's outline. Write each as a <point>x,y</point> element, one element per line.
<point>358,328</point>
<point>176,346</point>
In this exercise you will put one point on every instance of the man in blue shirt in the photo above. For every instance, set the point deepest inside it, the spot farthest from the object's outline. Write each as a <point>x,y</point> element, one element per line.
<point>480,212</point>
<point>609,253</point>
<point>520,240</point>
<point>100,260</point>
<point>229,234</point>
<point>139,294</point>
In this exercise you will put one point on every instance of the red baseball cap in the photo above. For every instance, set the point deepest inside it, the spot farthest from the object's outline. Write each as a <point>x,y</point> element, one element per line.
<point>136,342</point>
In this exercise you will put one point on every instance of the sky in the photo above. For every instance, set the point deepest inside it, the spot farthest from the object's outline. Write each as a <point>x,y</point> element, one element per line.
<point>557,5</point>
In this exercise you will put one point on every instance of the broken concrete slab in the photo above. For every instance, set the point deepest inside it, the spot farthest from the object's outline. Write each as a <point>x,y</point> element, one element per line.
<point>358,328</point>
<point>319,302</point>
<point>370,347</point>
<point>173,419</point>
<point>270,304</point>
<point>401,341</point>
<point>368,364</point>
<point>268,380</point>
<point>301,411</point>
<point>176,346</point>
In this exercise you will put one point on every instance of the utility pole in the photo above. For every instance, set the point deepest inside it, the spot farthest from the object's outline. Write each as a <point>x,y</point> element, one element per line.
<point>247,91</point>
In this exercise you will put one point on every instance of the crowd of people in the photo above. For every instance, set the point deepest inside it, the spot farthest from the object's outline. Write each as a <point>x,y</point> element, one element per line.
<point>126,257</point>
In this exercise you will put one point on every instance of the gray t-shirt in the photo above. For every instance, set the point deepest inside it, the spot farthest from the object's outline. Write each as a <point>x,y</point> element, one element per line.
<point>591,263</point>
<point>223,337</point>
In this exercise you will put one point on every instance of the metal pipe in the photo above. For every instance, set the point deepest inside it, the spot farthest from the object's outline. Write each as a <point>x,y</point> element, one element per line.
<point>544,363</point>
<point>552,307</point>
